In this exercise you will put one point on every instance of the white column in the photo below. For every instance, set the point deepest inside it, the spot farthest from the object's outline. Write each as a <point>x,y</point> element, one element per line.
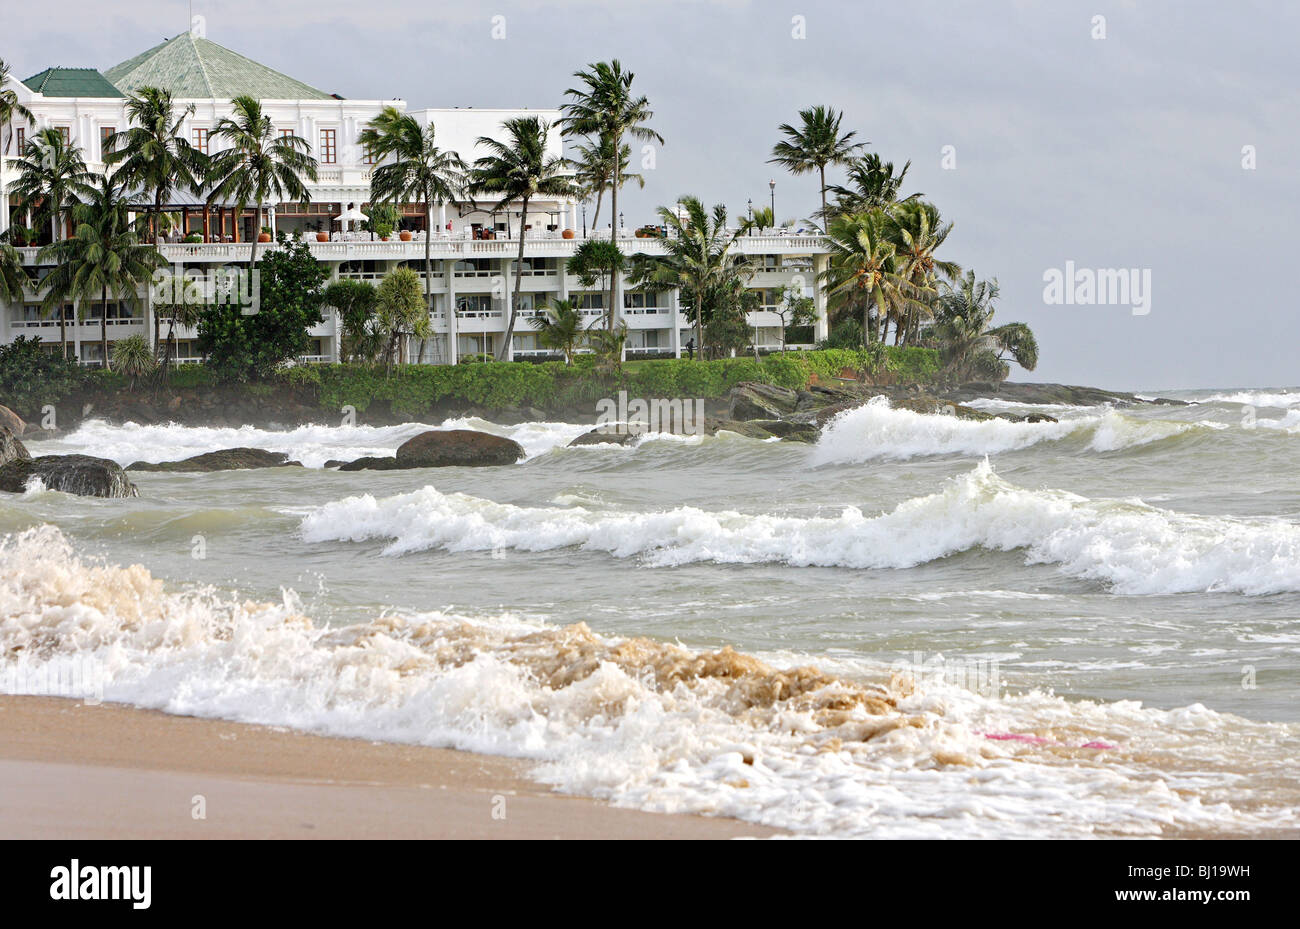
<point>674,315</point>
<point>442,217</point>
<point>453,328</point>
<point>821,327</point>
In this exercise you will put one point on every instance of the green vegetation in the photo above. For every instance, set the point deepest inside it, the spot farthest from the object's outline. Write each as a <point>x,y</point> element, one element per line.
<point>243,347</point>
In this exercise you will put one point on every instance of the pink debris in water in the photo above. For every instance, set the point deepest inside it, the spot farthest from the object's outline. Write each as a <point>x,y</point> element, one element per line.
<point>1099,745</point>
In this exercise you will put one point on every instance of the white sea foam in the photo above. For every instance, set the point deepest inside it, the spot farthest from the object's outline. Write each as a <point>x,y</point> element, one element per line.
<point>1132,547</point>
<point>312,445</point>
<point>1281,399</point>
<point>650,725</point>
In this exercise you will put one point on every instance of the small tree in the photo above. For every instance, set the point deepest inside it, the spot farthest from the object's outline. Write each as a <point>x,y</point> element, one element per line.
<point>355,301</point>
<point>795,310</point>
<point>133,357</point>
<point>608,344</point>
<point>560,327</point>
<point>400,312</point>
<point>594,262</point>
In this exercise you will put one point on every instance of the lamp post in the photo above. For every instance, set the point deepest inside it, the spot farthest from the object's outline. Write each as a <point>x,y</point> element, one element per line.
<point>584,220</point>
<point>771,186</point>
<point>751,207</point>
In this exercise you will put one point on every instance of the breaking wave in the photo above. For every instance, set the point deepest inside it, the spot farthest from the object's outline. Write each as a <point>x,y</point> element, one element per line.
<point>1131,546</point>
<point>648,724</point>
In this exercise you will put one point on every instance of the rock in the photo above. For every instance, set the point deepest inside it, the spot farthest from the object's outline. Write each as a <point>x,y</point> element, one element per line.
<point>604,436</point>
<point>788,431</point>
<point>747,428</point>
<point>12,421</point>
<point>334,463</point>
<point>226,459</point>
<point>1049,393</point>
<point>73,474</point>
<point>440,448</point>
<point>10,447</point>
<point>385,463</point>
<point>751,400</point>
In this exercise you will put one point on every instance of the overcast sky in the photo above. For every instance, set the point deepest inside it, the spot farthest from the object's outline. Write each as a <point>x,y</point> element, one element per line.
<point>1122,152</point>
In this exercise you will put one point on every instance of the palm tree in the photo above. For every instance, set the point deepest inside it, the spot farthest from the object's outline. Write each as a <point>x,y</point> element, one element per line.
<point>153,154</point>
<point>594,170</point>
<point>968,345</point>
<point>104,258</point>
<point>10,109</point>
<point>416,170</point>
<point>871,185</point>
<point>594,261</point>
<point>519,169</point>
<point>260,163</point>
<point>863,274</point>
<point>814,145</point>
<point>180,310</point>
<point>917,231</point>
<point>12,276</point>
<point>52,176</point>
<point>763,218</point>
<point>133,357</point>
<point>697,259</point>
<point>560,327</point>
<point>605,109</point>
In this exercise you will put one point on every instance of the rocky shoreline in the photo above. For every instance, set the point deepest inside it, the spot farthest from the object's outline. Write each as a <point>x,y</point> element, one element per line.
<point>756,410</point>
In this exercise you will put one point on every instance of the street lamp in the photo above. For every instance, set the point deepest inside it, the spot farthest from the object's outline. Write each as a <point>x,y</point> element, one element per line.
<point>751,207</point>
<point>771,186</point>
<point>584,220</point>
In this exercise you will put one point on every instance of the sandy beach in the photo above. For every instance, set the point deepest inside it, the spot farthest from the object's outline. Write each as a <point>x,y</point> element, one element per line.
<point>69,770</point>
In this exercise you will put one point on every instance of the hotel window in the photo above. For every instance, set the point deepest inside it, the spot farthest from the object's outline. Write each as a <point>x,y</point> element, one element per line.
<point>201,140</point>
<point>22,139</point>
<point>328,146</point>
<point>286,133</point>
<point>66,132</point>
<point>105,132</point>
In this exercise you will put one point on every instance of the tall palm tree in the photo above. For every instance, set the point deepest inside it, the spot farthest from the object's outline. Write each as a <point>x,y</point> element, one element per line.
<point>871,184</point>
<point>596,260</point>
<point>12,276</point>
<point>917,231</point>
<point>697,259</point>
<point>862,274</point>
<point>52,176</point>
<point>104,258</point>
<point>594,170</point>
<point>606,109</point>
<point>259,164</point>
<point>10,109</point>
<point>816,143</point>
<point>560,327</point>
<point>415,170</point>
<point>519,169</point>
<point>153,154</point>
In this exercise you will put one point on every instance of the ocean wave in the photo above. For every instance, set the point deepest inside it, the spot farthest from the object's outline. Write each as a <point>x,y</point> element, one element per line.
<point>877,431</point>
<point>901,753</point>
<point>312,445</point>
<point>1132,547</point>
<point>1280,399</point>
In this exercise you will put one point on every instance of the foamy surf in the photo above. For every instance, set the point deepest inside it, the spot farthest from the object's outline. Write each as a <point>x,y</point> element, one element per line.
<point>1132,547</point>
<point>651,725</point>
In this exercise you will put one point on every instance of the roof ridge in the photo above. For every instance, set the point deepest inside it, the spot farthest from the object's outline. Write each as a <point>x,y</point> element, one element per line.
<point>203,67</point>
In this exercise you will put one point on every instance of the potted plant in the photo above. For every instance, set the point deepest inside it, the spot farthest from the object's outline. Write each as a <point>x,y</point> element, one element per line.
<point>568,234</point>
<point>20,235</point>
<point>405,235</point>
<point>265,234</point>
<point>194,238</point>
<point>383,219</point>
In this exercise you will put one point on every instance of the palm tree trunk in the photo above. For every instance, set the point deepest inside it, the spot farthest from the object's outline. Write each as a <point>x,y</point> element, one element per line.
<point>600,196</point>
<point>257,228</point>
<point>504,352</point>
<point>822,170</point>
<point>699,323</point>
<point>613,238</point>
<point>156,223</point>
<point>103,327</point>
<point>63,330</point>
<point>428,266</point>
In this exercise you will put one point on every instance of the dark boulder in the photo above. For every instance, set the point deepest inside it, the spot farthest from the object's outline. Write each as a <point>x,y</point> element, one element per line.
<point>605,436</point>
<point>440,448</point>
<point>225,459</point>
<point>751,400</point>
<point>369,463</point>
<point>72,474</point>
<point>12,421</point>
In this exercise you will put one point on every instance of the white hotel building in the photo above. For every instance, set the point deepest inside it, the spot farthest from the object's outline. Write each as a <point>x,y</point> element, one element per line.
<point>473,250</point>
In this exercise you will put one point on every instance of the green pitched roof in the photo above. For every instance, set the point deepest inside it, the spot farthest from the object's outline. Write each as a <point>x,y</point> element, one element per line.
<point>72,82</point>
<point>194,68</point>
